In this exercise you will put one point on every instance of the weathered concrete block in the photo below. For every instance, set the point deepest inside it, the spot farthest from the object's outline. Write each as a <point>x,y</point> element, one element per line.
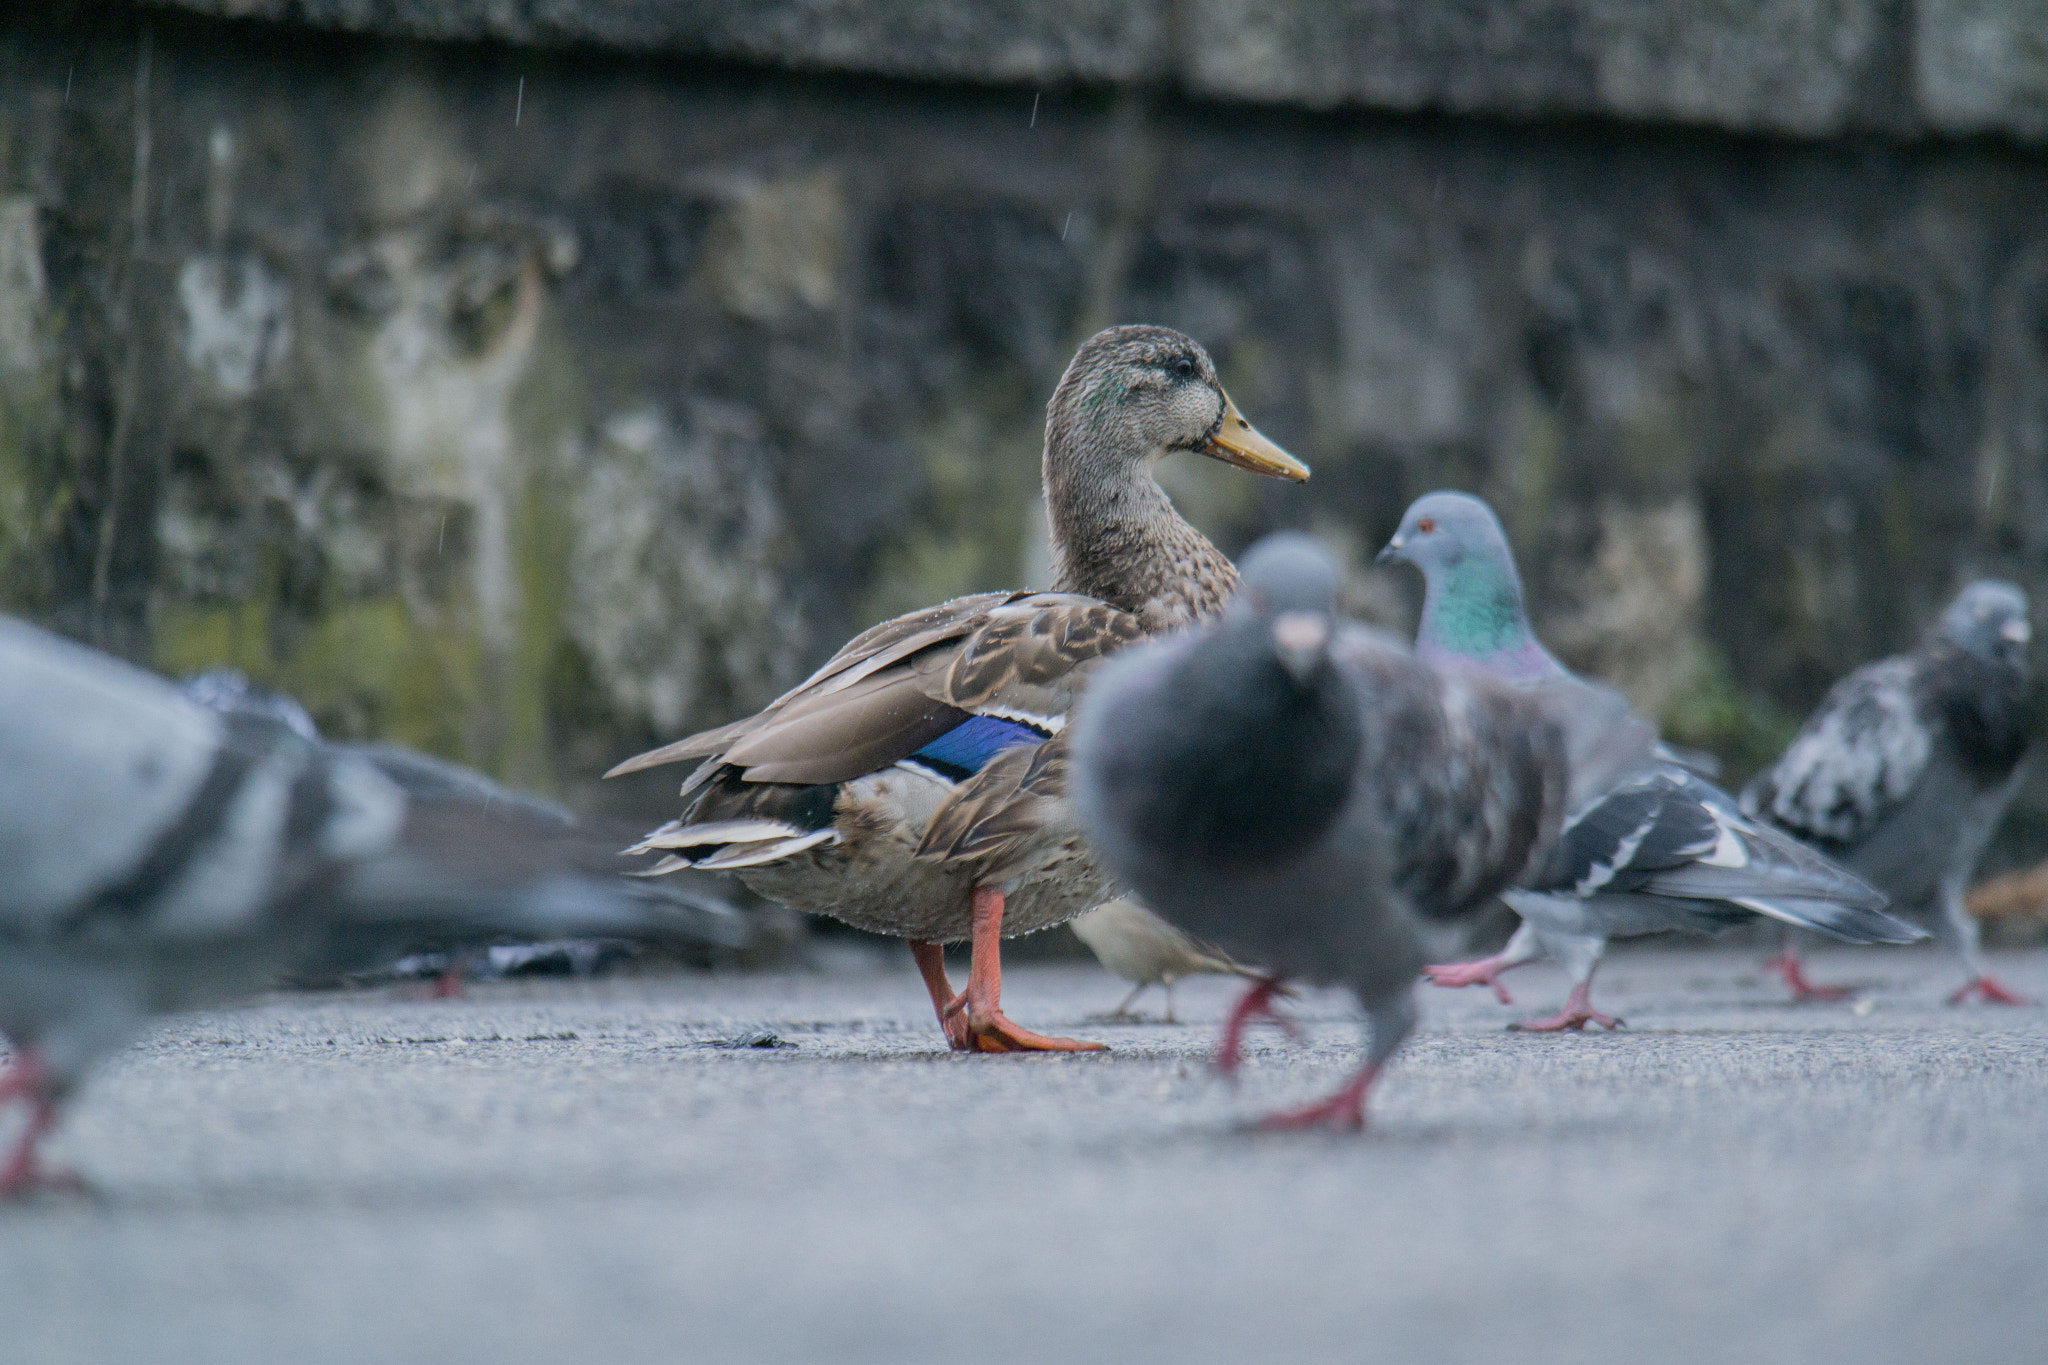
<point>976,40</point>
<point>1785,65</point>
<point>1982,65</point>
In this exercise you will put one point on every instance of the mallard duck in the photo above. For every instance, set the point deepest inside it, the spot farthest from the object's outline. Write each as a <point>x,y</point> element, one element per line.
<point>915,785</point>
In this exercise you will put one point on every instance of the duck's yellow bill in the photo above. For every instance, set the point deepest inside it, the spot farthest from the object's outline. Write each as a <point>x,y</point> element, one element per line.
<point>1238,442</point>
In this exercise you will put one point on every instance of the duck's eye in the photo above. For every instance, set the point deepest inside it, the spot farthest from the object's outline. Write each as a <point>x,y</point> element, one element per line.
<point>1426,525</point>
<point>1184,368</point>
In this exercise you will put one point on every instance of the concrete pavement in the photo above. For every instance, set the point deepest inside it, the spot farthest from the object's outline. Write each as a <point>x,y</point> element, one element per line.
<point>578,1172</point>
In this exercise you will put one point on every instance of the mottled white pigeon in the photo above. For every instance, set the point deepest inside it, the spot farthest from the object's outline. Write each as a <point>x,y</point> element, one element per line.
<point>1906,768</point>
<point>1662,850</point>
<point>1307,794</point>
<point>156,855</point>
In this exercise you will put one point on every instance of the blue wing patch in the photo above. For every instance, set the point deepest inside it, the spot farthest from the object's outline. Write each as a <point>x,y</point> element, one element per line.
<point>962,750</point>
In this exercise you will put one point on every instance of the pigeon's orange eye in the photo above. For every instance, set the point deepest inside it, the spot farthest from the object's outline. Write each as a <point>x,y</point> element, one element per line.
<point>1426,525</point>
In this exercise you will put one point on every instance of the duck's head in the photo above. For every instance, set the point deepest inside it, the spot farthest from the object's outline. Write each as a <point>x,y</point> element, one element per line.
<point>1989,619</point>
<point>1134,395</point>
<point>1289,594</point>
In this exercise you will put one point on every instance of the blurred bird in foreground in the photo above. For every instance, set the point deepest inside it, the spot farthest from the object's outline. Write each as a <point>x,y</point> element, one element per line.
<point>1145,950</point>
<point>1906,768</point>
<point>696,919</point>
<point>1309,795</point>
<point>915,784</point>
<point>1662,850</point>
<point>157,855</point>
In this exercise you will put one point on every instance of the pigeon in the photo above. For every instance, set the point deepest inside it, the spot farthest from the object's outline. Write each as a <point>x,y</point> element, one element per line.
<point>157,855</point>
<point>1663,849</point>
<point>698,920</point>
<point>914,785</point>
<point>1145,950</point>
<point>1908,765</point>
<point>1310,795</point>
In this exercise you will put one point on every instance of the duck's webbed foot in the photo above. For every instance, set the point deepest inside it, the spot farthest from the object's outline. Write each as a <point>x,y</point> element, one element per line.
<point>979,1009</point>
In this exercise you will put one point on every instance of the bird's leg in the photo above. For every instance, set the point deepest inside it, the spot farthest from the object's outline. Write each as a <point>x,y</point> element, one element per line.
<point>1392,1021</point>
<point>1959,932</point>
<point>1991,991</point>
<point>1486,971</point>
<point>1169,1002</point>
<point>27,1078</point>
<point>1255,1003</point>
<point>951,1008</point>
<point>1787,965</point>
<point>988,1029</point>
<point>449,984</point>
<point>1576,1014</point>
<point>1123,1009</point>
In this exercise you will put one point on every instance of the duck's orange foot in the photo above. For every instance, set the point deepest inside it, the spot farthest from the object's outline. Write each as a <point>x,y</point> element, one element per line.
<point>992,1031</point>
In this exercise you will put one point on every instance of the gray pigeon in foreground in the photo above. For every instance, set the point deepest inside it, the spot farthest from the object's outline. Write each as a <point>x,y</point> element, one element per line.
<point>1308,794</point>
<point>1146,951</point>
<point>1906,768</point>
<point>1662,850</point>
<point>156,855</point>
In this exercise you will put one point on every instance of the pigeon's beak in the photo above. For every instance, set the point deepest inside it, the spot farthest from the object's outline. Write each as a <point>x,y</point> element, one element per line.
<point>1391,553</point>
<point>1300,639</point>
<point>2017,630</point>
<point>1236,441</point>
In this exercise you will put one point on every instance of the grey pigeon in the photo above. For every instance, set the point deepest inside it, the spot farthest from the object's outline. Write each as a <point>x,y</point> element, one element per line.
<point>1309,795</point>
<point>1906,768</point>
<point>1146,951</point>
<point>156,855</point>
<point>1661,850</point>
<point>698,919</point>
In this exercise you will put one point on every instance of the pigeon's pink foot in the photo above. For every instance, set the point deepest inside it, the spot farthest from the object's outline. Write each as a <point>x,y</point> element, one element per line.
<point>1255,1003</point>
<point>1345,1109</point>
<point>1990,990</point>
<point>1486,971</point>
<point>22,1174</point>
<point>1794,973</point>
<point>449,984</point>
<point>1576,1014</point>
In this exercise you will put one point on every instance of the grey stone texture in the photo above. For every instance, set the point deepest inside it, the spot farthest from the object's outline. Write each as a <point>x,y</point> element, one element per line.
<point>533,405</point>
<point>1799,67</point>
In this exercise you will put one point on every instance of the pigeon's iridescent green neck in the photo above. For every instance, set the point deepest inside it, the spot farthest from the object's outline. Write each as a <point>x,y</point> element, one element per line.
<point>1474,608</point>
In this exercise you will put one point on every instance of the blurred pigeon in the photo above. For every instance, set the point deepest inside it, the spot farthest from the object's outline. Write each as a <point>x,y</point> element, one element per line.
<point>1308,794</point>
<point>156,855</point>
<point>1906,768</point>
<point>1145,950</point>
<point>1661,850</point>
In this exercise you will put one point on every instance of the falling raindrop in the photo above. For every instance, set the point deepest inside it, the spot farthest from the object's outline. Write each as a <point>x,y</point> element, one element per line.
<point>67,85</point>
<point>1034,108</point>
<point>442,539</point>
<point>472,178</point>
<point>520,106</point>
<point>1064,226</point>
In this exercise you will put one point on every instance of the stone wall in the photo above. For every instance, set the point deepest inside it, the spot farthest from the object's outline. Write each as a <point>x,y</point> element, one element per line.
<point>531,403</point>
